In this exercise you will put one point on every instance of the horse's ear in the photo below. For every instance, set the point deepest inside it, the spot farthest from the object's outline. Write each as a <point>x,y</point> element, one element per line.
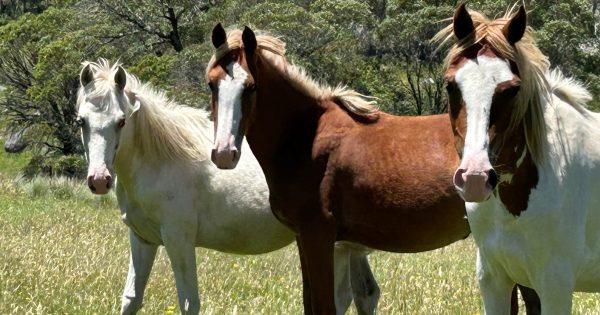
<point>463,24</point>
<point>86,76</point>
<point>121,78</point>
<point>249,40</point>
<point>516,26</point>
<point>218,36</point>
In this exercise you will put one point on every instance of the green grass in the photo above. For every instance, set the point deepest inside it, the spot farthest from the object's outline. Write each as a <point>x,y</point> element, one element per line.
<point>64,251</point>
<point>10,163</point>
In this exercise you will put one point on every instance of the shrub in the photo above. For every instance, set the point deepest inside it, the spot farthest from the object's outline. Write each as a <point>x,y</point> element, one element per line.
<point>56,165</point>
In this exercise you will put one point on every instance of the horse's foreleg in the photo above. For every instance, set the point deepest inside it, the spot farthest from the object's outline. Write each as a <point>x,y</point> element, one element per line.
<point>364,286</point>
<point>317,240</point>
<point>342,274</point>
<point>141,260</point>
<point>496,288</point>
<point>182,253</point>
<point>555,284</point>
<point>305,284</point>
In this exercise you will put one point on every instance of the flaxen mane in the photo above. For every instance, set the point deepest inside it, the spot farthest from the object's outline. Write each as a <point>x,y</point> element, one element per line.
<point>162,129</point>
<point>272,50</point>
<point>532,65</point>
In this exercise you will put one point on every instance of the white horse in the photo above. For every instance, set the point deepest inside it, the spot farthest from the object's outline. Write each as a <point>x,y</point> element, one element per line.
<point>170,193</point>
<point>530,169</point>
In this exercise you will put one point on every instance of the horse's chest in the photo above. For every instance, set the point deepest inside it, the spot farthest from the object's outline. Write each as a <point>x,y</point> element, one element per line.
<point>137,216</point>
<point>143,225</point>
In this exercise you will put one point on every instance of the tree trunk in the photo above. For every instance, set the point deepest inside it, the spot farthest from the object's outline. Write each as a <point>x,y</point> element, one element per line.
<point>174,34</point>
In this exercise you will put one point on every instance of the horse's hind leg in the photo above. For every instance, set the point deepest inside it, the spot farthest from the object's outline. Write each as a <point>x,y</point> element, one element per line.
<point>364,286</point>
<point>342,274</point>
<point>533,305</point>
<point>140,263</point>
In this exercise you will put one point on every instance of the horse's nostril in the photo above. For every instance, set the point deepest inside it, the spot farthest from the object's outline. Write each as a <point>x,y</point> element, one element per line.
<point>458,179</point>
<point>234,155</point>
<point>92,188</point>
<point>492,178</point>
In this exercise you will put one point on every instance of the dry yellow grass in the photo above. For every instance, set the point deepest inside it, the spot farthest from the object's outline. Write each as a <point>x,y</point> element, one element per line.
<point>63,251</point>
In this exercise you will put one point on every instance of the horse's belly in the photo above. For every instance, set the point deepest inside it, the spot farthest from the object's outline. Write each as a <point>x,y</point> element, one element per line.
<point>245,234</point>
<point>588,279</point>
<point>398,230</point>
<point>588,274</point>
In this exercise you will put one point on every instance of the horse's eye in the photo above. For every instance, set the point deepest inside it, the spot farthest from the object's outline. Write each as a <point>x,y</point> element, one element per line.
<point>211,86</point>
<point>121,123</point>
<point>253,88</point>
<point>80,122</point>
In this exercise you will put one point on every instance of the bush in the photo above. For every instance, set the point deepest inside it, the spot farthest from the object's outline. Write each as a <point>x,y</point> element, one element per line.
<point>57,165</point>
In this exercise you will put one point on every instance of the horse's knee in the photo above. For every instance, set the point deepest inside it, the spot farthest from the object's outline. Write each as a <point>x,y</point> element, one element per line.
<point>366,294</point>
<point>367,288</point>
<point>367,298</point>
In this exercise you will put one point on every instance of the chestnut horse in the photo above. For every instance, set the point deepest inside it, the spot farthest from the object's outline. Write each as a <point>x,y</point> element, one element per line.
<point>336,167</point>
<point>170,194</point>
<point>530,164</point>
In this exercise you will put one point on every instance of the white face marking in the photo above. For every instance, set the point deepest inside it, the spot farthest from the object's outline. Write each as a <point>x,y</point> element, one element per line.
<point>230,105</point>
<point>477,81</point>
<point>100,135</point>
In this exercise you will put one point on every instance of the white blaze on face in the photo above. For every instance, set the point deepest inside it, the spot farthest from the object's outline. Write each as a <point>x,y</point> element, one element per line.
<point>100,137</point>
<point>477,81</point>
<point>229,104</point>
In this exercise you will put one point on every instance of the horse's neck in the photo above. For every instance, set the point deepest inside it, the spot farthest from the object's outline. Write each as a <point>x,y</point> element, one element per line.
<point>282,113</point>
<point>130,157</point>
<point>518,174</point>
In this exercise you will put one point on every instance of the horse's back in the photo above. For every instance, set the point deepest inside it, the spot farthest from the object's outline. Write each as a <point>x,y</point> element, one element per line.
<point>392,180</point>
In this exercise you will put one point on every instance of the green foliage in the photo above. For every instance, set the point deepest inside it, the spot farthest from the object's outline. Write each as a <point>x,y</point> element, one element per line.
<point>11,164</point>
<point>57,165</point>
<point>378,47</point>
<point>155,69</point>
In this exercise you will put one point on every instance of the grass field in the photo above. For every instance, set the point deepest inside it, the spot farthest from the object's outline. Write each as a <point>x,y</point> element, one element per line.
<point>64,251</point>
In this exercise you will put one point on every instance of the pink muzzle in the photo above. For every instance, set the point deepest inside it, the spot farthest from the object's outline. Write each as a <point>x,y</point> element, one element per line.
<point>100,181</point>
<point>225,159</point>
<point>475,186</point>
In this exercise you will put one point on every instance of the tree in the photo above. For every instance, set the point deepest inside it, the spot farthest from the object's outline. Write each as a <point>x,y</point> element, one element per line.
<point>162,20</point>
<point>378,47</point>
<point>40,57</point>
<point>403,41</point>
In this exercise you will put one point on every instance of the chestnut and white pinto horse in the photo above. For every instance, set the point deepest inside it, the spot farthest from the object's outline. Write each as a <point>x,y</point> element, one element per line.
<point>170,193</point>
<point>530,168</point>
